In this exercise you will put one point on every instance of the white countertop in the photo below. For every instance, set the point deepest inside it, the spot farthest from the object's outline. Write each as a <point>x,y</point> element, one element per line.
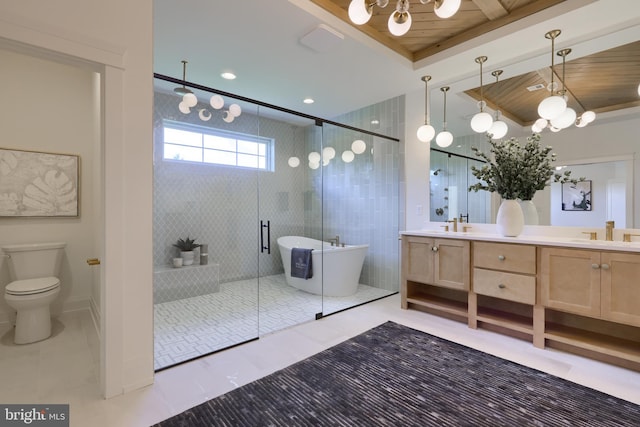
<point>536,235</point>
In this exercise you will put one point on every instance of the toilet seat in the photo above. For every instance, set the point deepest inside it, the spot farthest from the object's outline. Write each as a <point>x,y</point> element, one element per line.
<point>32,286</point>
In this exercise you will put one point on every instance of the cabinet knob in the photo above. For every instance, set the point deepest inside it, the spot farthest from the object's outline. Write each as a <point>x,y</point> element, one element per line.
<point>501,257</point>
<point>434,249</point>
<point>605,266</point>
<point>595,266</point>
<point>502,286</point>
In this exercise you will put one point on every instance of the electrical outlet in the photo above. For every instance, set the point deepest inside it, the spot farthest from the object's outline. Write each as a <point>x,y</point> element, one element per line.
<point>419,210</point>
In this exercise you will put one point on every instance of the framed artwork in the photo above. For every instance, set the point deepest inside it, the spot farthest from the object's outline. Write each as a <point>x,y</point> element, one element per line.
<point>576,197</point>
<point>36,184</point>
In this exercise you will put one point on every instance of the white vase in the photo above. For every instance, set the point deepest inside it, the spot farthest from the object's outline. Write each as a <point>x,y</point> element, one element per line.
<point>187,257</point>
<point>510,220</point>
<point>530,212</point>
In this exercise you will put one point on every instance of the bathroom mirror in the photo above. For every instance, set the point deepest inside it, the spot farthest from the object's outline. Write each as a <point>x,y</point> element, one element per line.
<point>611,193</point>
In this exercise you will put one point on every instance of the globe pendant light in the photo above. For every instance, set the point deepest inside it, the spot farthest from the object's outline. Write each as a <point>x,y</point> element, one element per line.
<point>499,128</point>
<point>445,8</point>
<point>400,20</point>
<point>586,118</point>
<point>426,132</point>
<point>482,121</point>
<point>553,105</point>
<point>539,125</point>
<point>360,11</point>
<point>568,116</point>
<point>444,138</point>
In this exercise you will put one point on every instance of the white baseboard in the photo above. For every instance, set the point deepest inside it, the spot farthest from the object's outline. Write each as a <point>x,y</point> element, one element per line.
<point>76,304</point>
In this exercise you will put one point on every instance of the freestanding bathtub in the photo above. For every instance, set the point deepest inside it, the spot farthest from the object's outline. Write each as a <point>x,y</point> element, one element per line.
<point>336,270</point>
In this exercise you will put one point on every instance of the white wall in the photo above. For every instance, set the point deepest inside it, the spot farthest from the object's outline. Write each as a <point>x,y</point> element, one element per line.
<point>116,37</point>
<point>604,139</point>
<point>416,164</point>
<point>52,109</point>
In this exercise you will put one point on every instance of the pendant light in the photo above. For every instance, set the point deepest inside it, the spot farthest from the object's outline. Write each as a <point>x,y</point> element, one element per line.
<point>482,121</point>
<point>183,90</point>
<point>400,20</point>
<point>426,132</point>
<point>360,12</point>
<point>188,98</point>
<point>553,105</point>
<point>444,138</point>
<point>499,128</point>
<point>568,116</point>
<point>445,8</point>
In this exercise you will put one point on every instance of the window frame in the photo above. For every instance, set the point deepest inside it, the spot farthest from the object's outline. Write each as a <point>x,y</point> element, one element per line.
<point>236,137</point>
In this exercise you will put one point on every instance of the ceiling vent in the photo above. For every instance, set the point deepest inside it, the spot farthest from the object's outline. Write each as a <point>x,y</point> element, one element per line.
<point>535,87</point>
<point>322,39</point>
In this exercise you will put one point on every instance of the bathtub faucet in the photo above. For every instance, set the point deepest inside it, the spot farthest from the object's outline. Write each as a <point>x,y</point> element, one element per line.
<point>335,240</point>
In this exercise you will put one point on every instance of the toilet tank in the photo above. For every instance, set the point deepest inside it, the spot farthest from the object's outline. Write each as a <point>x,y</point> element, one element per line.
<point>33,260</point>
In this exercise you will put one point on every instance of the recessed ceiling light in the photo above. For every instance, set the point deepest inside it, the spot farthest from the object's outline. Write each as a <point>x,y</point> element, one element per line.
<point>228,75</point>
<point>308,101</point>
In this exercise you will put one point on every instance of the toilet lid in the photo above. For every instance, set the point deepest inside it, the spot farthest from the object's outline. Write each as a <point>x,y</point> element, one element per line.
<point>32,286</point>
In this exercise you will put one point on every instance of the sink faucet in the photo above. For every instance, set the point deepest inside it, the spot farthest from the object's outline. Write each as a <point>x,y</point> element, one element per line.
<point>609,230</point>
<point>455,223</point>
<point>335,240</point>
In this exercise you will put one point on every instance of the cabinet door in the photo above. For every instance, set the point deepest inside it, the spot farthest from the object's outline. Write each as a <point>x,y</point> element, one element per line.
<point>451,264</point>
<point>570,280</point>
<point>620,282</point>
<point>417,254</point>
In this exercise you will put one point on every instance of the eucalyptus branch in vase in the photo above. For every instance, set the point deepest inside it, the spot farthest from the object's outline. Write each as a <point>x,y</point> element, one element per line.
<point>516,171</point>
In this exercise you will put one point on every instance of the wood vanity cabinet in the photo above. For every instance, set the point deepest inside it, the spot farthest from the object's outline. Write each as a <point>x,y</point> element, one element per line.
<point>440,262</point>
<point>503,286</point>
<point>603,285</point>
<point>585,301</point>
<point>505,271</point>
<point>435,274</point>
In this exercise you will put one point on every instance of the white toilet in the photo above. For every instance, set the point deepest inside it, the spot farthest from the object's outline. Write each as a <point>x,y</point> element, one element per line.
<point>34,270</point>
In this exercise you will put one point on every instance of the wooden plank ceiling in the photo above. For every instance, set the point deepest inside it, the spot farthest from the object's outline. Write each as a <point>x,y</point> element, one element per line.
<point>430,34</point>
<point>606,81</point>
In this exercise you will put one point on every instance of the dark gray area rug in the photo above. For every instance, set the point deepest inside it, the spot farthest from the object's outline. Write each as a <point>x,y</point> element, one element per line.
<point>393,375</point>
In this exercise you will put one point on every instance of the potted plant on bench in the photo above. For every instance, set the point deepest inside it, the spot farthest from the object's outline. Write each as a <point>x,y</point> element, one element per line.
<point>186,246</point>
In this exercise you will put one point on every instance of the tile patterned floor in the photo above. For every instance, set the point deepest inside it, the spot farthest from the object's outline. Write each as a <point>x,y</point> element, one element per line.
<point>191,327</point>
<point>64,368</point>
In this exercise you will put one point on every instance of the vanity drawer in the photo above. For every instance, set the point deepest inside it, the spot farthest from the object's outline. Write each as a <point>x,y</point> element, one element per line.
<point>506,257</point>
<point>509,286</point>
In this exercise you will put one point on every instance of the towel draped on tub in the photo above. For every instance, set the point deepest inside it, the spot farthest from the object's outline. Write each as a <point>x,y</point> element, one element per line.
<point>301,263</point>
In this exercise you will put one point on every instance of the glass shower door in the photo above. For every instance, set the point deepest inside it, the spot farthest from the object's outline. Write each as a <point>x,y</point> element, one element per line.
<point>290,206</point>
<point>207,164</point>
<point>360,188</point>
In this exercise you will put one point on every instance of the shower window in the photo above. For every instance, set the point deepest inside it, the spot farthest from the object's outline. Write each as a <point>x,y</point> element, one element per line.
<point>192,143</point>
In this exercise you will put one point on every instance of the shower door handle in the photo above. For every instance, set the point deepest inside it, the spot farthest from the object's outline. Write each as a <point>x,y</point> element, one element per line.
<point>268,227</point>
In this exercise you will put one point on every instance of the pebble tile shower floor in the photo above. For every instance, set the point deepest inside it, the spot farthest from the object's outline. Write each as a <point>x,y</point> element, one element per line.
<point>191,327</point>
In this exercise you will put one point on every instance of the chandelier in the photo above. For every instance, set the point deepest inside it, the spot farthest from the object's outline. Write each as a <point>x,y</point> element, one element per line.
<point>190,100</point>
<point>399,22</point>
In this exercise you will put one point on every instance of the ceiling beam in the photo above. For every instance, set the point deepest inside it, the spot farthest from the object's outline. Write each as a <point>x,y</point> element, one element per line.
<point>492,9</point>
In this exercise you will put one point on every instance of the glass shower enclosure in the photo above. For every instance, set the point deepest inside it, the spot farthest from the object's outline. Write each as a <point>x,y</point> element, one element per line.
<point>249,181</point>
